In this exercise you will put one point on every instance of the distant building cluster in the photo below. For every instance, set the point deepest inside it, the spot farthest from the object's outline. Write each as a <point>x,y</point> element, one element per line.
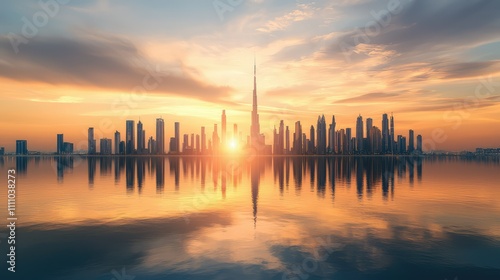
<point>483,151</point>
<point>323,141</point>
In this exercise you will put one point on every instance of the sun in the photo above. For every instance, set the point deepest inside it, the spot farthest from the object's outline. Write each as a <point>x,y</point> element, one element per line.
<point>233,145</point>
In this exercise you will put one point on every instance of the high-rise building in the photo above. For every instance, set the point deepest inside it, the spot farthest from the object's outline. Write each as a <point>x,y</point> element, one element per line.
<point>342,145</point>
<point>105,146</point>
<point>359,135</point>
<point>401,145</point>
<point>117,142</point>
<point>171,145</point>
<point>255,127</point>
<point>203,140</point>
<point>197,143</point>
<point>385,134</point>
<point>67,148</point>
<point>376,140</point>
<point>2,151</point>
<point>129,138</point>
<point>60,143</point>
<point>160,136</point>
<point>122,147</point>
<point>185,144</point>
<point>304,143</point>
<point>391,139</point>
<point>297,139</point>
<point>287,140</point>
<point>411,143</point>
<point>321,133</point>
<point>21,147</point>
<point>215,141</point>
<point>369,145</point>
<point>177,131</point>
<point>141,138</point>
<point>91,142</point>
<point>331,136</point>
<point>192,142</point>
<point>223,132</point>
<point>281,137</point>
<point>310,146</point>
<point>419,143</point>
<point>348,134</point>
<point>151,146</point>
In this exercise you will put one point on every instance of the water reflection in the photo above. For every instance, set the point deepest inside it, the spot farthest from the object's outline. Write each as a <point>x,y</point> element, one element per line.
<point>260,218</point>
<point>367,172</point>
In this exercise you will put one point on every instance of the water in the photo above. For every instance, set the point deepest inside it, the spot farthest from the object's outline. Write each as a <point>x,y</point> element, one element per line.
<point>261,218</point>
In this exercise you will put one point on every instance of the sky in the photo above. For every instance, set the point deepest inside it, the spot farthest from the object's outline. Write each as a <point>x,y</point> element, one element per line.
<point>66,65</point>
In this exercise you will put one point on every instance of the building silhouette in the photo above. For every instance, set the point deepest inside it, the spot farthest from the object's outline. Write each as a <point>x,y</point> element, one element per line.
<point>160,136</point>
<point>60,143</point>
<point>91,142</point>
<point>321,136</point>
<point>117,143</point>
<point>105,146</point>
<point>411,144</point>
<point>177,136</point>
<point>385,134</point>
<point>255,136</point>
<point>141,138</point>
<point>130,138</point>
<point>21,147</point>
<point>359,135</point>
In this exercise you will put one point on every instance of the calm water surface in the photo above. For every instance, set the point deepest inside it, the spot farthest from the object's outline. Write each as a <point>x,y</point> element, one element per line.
<point>265,218</point>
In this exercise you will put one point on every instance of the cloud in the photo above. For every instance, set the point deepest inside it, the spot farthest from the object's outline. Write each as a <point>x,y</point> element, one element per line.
<point>303,12</point>
<point>102,62</point>
<point>370,97</point>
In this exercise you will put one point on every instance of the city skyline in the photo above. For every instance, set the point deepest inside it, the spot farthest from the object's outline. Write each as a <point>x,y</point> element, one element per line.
<point>336,58</point>
<point>340,142</point>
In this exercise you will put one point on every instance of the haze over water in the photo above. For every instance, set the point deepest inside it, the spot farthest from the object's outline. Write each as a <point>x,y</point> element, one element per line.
<point>266,218</point>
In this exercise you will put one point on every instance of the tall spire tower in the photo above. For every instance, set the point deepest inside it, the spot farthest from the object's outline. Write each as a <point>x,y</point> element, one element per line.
<point>255,128</point>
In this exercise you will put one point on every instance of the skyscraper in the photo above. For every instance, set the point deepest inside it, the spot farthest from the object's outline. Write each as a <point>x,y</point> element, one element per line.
<point>281,137</point>
<point>376,140</point>
<point>297,139</point>
<point>215,141</point>
<point>21,147</point>
<point>391,139</point>
<point>151,146</point>
<point>311,149</point>
<point>348,134</point>
<point>141,138</point>
<point>223,133</point>
<point>321,133</point>
<point>411,144</point>
<point>385,134</point>
<point>91,142</point>
<point>177,136</point>
<point>255,127</point>
<point>203,140</point>
<point>419,143</point>
<point>197,143</point>
<point>287,140</point>
<point>331,136</point>
<point>60,143</point>
<point>105,146</point>
<point>129,138</point>
<point>369,144</point>
<point>359,135</point>
<point>117,142</point>
<point>160,136</point>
